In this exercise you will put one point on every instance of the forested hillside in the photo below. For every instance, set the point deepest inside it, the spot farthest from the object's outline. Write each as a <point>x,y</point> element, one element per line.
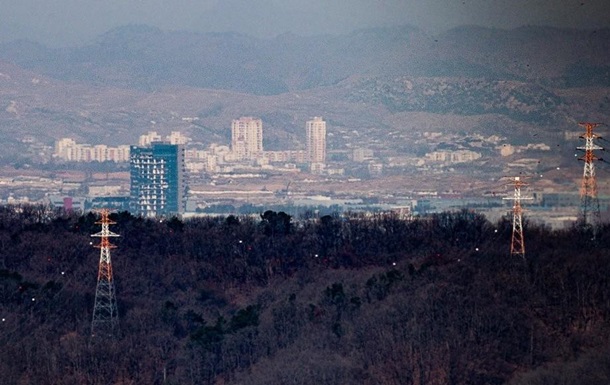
<point>333,300</point>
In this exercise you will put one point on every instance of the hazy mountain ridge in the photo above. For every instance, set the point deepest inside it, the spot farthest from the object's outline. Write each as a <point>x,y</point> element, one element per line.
<point>148,58</point>
<point>137,78</point>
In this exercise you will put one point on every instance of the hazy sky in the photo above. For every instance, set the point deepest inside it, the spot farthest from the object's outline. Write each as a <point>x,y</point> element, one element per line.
<point>69,22</point>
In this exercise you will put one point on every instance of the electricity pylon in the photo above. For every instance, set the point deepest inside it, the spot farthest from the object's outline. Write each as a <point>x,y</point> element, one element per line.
<point>517,244</point>
<point>589,204</point>
<point>105,316</point>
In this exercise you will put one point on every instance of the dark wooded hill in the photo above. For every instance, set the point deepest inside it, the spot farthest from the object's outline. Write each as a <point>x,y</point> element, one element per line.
<point>334,300</point>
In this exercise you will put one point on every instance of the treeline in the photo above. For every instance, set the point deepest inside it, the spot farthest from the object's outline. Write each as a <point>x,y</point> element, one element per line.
<point>330,300</point>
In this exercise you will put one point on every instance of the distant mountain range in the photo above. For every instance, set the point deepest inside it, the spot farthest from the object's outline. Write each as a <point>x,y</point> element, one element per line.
<point>147,58</point>
<point>135,78</point>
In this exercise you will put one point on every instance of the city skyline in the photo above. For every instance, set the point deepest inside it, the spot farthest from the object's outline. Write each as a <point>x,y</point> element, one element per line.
<point>444,125</point>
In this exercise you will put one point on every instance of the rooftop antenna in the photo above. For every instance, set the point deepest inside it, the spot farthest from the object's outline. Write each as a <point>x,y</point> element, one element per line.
<point>105,320</point>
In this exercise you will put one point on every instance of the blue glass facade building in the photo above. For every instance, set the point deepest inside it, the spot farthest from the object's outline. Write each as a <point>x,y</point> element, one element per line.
<point>157,180</point>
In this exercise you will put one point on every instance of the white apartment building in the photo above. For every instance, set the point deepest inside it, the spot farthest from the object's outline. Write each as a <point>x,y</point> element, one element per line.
<point>148,138</point>
<point>176,137</point>
<point>246,138</point>
<point>118,154</point>
<point>362,154</point>
<point>100,152</point>
<point>67,149</point>
<point>81,153</point>
<point>201,160</point>
<point>315,131</point>
<point>297,156</point>
<point>453,156</point>
<point>63,148</point>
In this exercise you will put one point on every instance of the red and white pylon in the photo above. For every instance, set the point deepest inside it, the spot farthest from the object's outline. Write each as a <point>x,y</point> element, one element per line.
<point>105,322</point>
<point>517,244</point>
<point>589,203</point>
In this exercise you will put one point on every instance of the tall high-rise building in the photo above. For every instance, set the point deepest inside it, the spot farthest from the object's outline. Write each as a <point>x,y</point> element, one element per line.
<point>247,138</point>
<point>157,185</point>
<point>315,130</point>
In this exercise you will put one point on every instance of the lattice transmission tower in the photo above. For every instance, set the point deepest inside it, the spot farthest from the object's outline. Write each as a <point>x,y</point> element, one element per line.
<point>105,320</point>
<point>589,204</point>
<point>517,244</point>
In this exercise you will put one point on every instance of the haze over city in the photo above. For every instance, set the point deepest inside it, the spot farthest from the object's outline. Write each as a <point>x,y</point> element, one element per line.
<point>409,91</point>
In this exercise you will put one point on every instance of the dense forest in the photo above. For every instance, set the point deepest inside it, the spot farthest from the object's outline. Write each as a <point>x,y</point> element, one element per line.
<point>341,299</point>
